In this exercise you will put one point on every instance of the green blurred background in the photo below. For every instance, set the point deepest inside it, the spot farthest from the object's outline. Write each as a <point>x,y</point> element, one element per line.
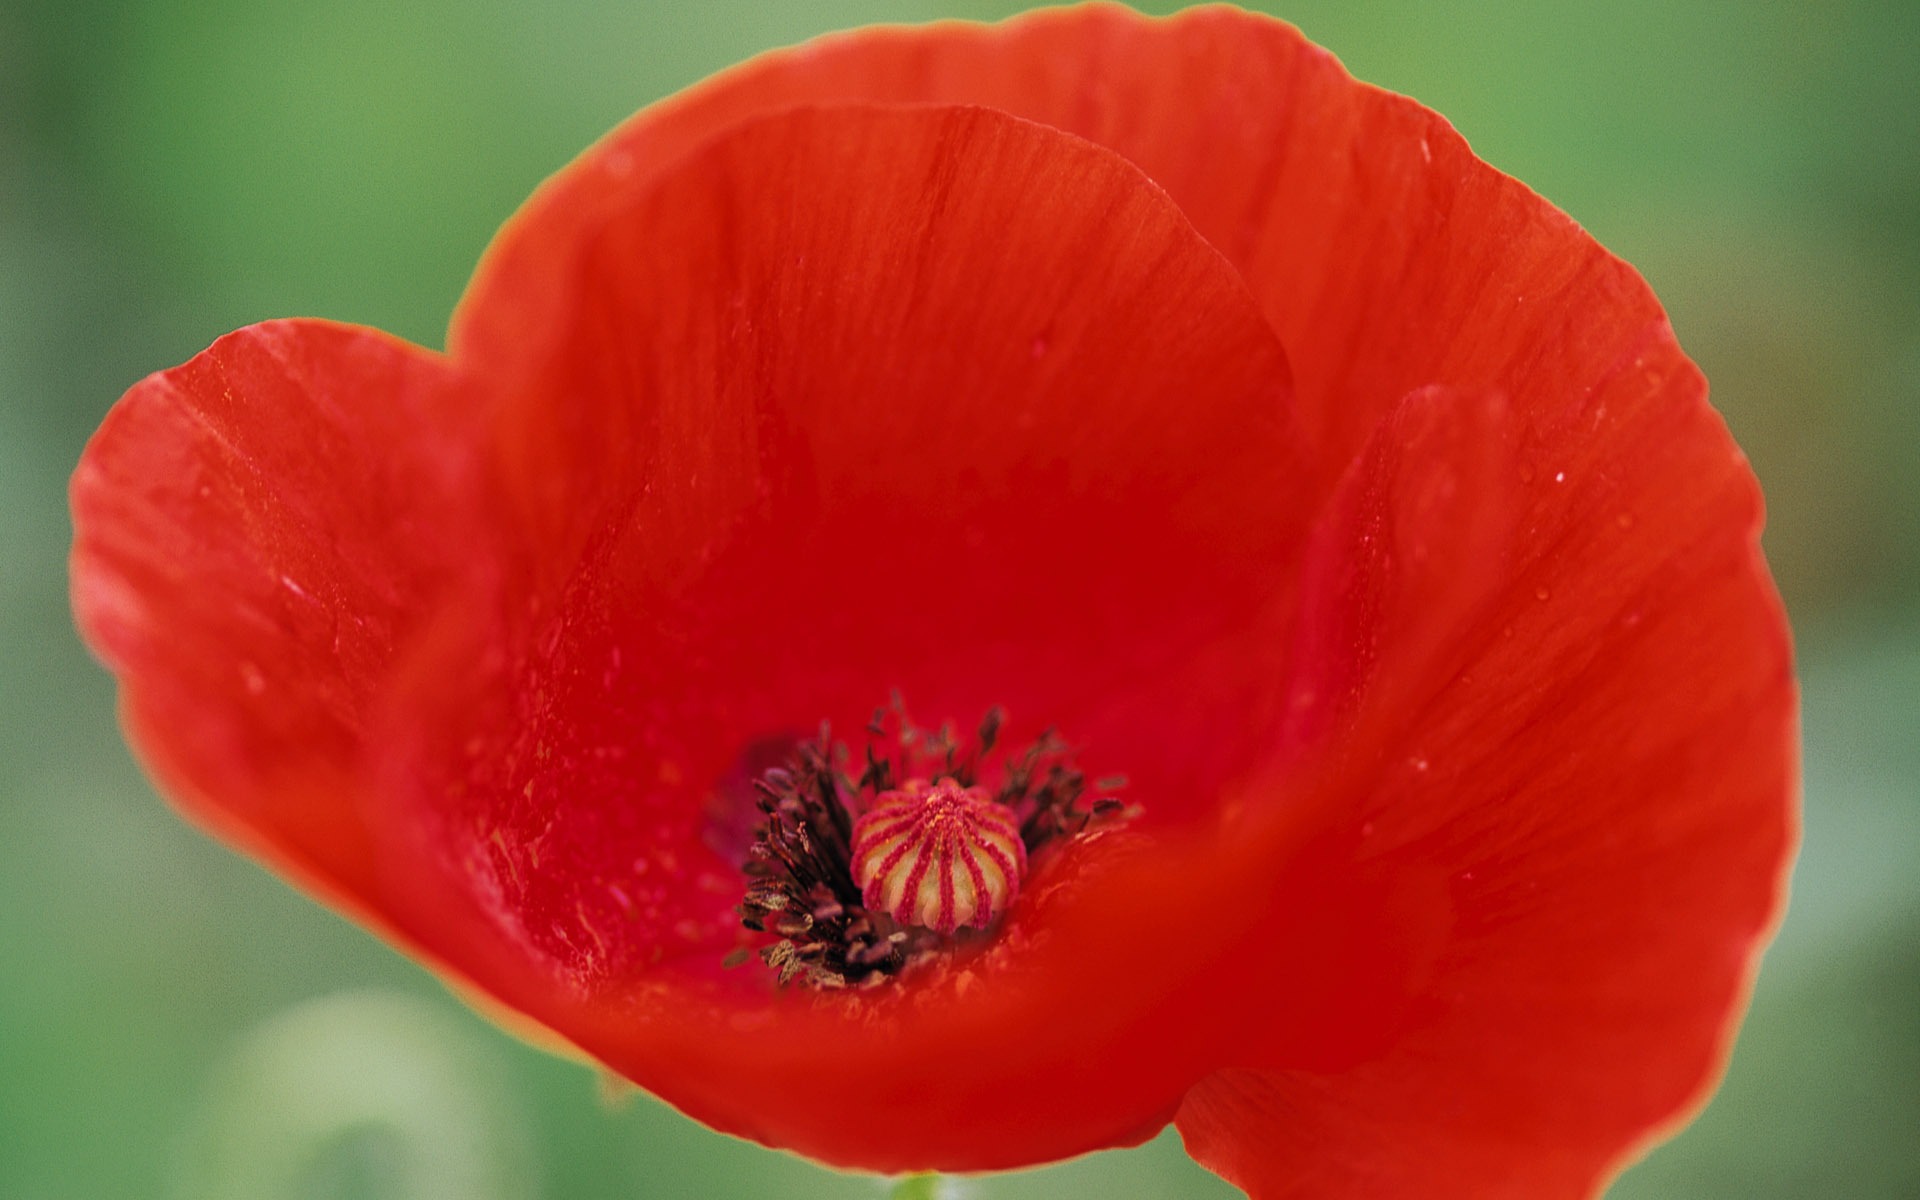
<point>173,1022</point>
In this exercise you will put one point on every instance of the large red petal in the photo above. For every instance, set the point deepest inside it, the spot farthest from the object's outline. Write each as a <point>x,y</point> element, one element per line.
<point>1386,256</point>
<point>855,400</point>
<point>256,533</point>
<point>1594,764</point>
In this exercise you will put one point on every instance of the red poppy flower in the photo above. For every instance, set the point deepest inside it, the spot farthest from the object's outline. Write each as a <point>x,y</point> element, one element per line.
<point>1151,379</point>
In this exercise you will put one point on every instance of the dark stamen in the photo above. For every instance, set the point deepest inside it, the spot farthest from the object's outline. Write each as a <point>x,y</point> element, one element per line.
<point>801,887</point>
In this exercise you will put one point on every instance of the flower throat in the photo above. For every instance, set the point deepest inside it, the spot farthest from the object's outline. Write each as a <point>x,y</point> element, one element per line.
<point>918,856</point>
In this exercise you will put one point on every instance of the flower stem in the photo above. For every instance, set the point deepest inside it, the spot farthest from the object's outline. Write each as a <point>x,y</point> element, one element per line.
<point>917,1187</point>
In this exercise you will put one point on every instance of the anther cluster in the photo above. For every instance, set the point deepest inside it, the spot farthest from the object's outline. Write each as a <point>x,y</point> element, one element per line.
<point>801,865</point>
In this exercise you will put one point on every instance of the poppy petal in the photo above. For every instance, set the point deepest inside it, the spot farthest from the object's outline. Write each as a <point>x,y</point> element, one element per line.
<point>1386,256</point>
<point>1402,558</point>
<point>1597,768</point>
<point>254,538</point>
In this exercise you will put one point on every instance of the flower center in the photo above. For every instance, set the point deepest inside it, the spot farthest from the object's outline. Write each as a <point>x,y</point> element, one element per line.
<point>919,855</point>
<point>938,856</point>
